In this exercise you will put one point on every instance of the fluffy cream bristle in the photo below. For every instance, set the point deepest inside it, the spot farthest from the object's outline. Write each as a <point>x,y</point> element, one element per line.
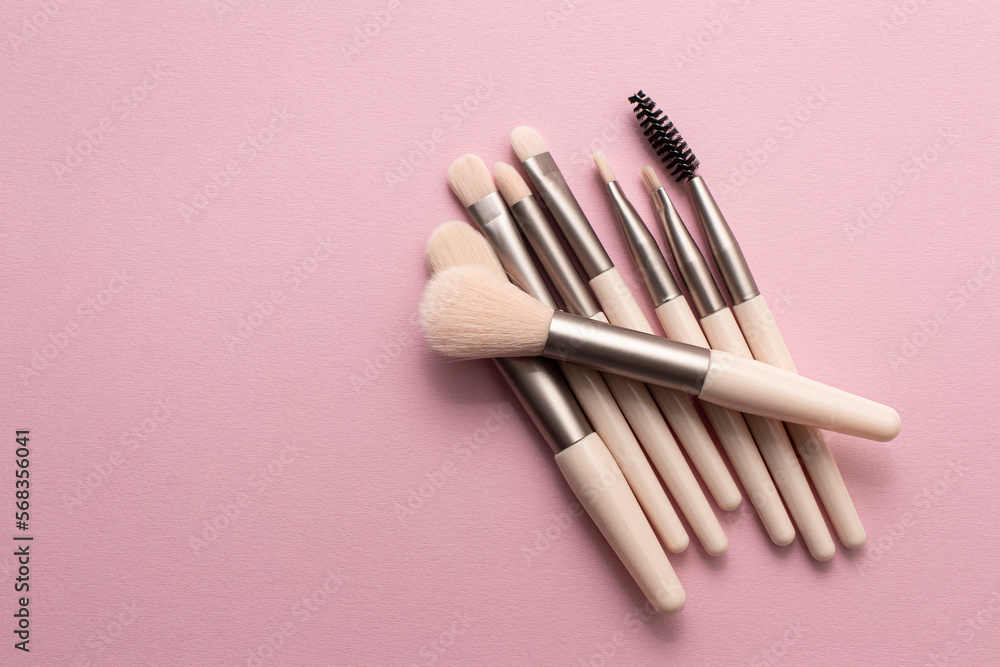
<point>467,313</point>
<point>457,244</point>
<point>526,142</point>
<point>650,179</point>
<point>470,179</point>
<point>604,167</point>
<point>509,182</point>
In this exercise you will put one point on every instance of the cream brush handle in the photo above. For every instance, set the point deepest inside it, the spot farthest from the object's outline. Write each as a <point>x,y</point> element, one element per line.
<point>599,405</point>
<point>680,324</point>
<point>766,343</point>
<point>601,488</point>
<point>621,309</point>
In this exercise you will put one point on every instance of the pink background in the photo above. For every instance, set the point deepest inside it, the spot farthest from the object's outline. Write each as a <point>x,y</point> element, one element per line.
<point>270,309</point>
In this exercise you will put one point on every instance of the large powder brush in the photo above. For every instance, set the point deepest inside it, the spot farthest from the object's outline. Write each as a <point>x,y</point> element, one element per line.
<point>467,314</point>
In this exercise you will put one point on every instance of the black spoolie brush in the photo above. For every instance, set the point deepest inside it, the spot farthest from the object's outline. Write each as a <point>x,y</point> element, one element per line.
<point>752,313</point>
<point>661,134</point>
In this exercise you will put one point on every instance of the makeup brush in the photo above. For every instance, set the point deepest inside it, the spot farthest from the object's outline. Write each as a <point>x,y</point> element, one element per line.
<point>575,294</point>
<point>581,455</point>
<point>751,311</point>
<point>470,180</point>
<point>467,314</point>
<point>634,397</point>
<point>724,334</point>
<point>611,291</point>
<point>457,244</point>
<point>679,324</point>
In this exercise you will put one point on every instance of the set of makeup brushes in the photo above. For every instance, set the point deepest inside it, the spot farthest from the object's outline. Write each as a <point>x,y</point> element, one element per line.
<point>615,401</point>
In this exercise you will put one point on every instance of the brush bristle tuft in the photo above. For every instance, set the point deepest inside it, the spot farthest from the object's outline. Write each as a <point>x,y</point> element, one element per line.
<point>604,167</point>
<point>467,313</point>
<point>527,143</point>
<point>661,134</point>
<point>470,179</point>
<point>457,244</point>
<point>650,179</point>
<point>509,182</point>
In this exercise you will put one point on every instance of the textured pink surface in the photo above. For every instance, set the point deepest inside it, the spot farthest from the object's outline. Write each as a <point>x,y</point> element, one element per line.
<point>236,402</point>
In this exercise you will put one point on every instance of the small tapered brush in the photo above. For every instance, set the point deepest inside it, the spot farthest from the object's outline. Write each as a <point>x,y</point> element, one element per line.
<point>701,450</point>
<point>752,313</point>
<point>723,333</point>
<point>679,323</point>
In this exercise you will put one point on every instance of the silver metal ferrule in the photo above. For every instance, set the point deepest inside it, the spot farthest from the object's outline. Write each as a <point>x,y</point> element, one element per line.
<point>543,393</point>
<point>726,251</point>
<point>555,260</point>
<point>493,219</point>
<point>573,224</point>
<point>656,274</point>
<point>538,383</point>
<point>633,354</point>
<point>690,262</point>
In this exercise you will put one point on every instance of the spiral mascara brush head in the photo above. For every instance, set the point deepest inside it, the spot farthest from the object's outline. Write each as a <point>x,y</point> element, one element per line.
<point>661,134</point>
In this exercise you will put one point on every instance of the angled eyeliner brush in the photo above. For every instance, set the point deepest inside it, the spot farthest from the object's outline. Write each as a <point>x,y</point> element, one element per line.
<point>751,311</point>
<point>679,323</point>
<point>724,334</point>
<point>710,464</point>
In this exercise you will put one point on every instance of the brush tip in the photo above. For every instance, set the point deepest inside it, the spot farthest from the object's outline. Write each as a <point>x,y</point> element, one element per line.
<point>512,187</point>
<point>469,179</point>
<point>661,134</point>
<point>604,167</point>
<point>650,179</point>
<point>526,142</point>
<point>455,243</point>
<point>467,313</point>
